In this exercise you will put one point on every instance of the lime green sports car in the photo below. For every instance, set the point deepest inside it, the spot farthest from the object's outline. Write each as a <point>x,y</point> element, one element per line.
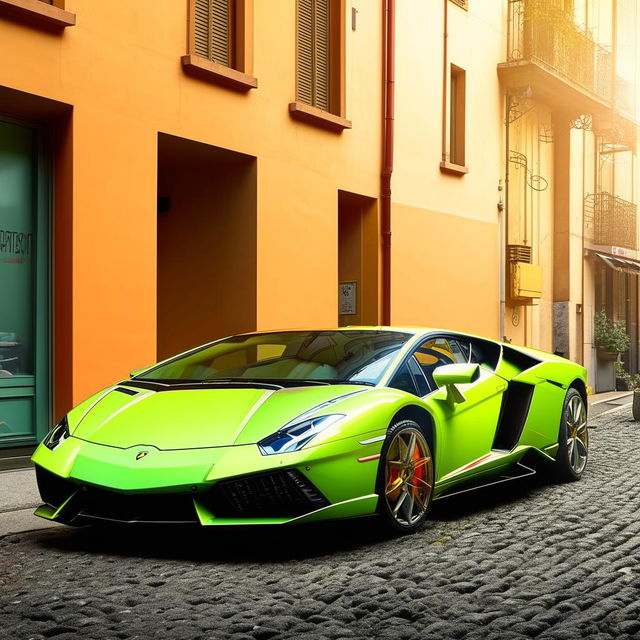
<point>299,426</point>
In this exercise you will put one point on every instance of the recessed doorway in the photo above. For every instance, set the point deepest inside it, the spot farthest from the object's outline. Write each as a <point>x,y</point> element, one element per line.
<point>206,243</point>
<point>358,259</point>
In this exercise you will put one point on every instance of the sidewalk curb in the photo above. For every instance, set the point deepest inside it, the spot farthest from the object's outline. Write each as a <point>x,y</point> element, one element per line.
<point>623,394</point>
<point>604,413</point>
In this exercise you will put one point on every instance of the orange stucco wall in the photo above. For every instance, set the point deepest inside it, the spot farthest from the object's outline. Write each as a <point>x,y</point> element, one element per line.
<point>444,269</point>
<point>119,74</point>
<point>120,71</point>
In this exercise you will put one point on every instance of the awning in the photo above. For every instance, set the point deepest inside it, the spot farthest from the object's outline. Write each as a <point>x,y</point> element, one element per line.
<point>626,265</point>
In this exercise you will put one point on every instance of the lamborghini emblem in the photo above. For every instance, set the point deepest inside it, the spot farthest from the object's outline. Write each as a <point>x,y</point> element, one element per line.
<point>141,455</point>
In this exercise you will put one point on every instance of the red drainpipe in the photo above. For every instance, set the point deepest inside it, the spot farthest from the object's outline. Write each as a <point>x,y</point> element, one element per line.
<point>389,15</point>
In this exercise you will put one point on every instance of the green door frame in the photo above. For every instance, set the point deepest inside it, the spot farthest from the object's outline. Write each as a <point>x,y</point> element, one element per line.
<point>42,393</point>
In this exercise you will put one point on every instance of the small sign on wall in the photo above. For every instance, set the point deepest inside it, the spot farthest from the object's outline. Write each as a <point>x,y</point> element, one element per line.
<point>347,298</point>
<point>620,251</point>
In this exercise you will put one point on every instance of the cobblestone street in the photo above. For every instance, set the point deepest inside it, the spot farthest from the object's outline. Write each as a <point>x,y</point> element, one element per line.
<point>532,559</point>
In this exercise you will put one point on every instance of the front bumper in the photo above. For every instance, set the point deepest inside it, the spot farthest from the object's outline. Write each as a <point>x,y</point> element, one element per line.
<point>82,482</point>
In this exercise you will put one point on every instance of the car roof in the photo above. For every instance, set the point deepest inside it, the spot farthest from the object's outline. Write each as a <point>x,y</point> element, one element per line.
<point>400,329</point>
<point>381,328</point>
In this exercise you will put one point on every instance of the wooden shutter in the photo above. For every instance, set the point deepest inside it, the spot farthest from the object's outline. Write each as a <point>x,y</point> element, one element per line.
<point>213,26</point>
<point>305,51</point>
<point>314,48</point>
<point>321,54</point>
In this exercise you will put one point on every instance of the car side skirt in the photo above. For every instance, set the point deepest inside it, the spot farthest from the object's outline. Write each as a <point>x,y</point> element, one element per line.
<point>363,506</point>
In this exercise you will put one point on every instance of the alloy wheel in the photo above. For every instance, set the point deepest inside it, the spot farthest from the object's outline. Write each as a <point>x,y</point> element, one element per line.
<point>577,434</point>
<point>408,478</point>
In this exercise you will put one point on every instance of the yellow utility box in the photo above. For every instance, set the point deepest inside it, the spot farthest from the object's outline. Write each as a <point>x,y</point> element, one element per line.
<point>526,282</point>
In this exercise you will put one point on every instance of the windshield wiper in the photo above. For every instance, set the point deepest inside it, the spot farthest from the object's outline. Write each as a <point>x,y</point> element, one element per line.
<point>362,382</point>
<point>289,382</point>
<point>279,382</point>
<point>268,383</point>
<point>176,384</point>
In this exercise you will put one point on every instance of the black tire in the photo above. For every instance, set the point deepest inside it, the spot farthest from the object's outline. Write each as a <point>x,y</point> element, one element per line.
<point>573,439</point>
<point>414,476</point>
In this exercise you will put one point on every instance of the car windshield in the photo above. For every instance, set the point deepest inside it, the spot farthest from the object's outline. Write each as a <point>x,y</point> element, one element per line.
<point>355,356</point>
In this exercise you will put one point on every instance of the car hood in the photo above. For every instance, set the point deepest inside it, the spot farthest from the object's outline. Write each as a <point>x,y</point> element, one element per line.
<point>198,417</point>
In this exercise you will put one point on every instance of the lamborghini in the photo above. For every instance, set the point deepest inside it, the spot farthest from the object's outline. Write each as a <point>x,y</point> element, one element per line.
<point>299,426</point>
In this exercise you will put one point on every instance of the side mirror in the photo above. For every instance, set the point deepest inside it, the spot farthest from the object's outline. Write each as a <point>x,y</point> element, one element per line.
<point>448,376</point>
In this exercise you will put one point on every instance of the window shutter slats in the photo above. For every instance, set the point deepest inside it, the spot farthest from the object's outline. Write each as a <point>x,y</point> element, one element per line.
<point>201,28</point>
<point>213,25</point>
<point>313,76</point>
<point>321,54</point>
<point>305,51</point>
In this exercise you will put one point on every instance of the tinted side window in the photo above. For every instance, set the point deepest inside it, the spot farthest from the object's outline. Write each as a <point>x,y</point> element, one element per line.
<point>436,352</point>
<point>461,349</point>
<point>476,354</point>
<point>485,353</point>
<point>418,377</point>
<point>403,380</point>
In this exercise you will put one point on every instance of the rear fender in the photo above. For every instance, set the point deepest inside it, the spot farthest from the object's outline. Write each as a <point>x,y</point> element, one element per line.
<point>551,381</point>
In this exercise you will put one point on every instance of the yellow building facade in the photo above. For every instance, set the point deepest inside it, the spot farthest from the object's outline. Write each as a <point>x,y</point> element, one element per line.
<point>569,79</point>
<point>176,170</point>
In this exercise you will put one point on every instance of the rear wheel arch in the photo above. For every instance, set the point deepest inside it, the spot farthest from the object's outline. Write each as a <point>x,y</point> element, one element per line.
<point>573,437</point>
<point>424,420</point>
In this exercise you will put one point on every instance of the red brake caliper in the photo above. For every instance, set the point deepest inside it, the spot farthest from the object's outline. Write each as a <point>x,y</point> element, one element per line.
<point>393,475</point>
<point>419,472</point>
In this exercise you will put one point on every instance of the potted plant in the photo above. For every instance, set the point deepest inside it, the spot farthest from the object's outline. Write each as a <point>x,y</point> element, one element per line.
<point>632,382</point>
<point>635,385</point>
<point>621,377</point>
<point>610,336</point>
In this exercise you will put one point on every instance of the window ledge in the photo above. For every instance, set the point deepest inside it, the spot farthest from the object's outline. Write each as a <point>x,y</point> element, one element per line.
<point>318,117</point>
<point>453,169</point>
<point>218,73</point>
<point>37,13</point>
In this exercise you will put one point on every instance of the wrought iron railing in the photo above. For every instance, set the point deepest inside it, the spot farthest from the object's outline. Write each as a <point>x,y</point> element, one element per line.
<point>610,221</point>
<point>540,32</point>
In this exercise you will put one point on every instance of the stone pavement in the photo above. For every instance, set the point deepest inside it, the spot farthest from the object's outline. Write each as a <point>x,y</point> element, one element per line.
<point>531,559</point>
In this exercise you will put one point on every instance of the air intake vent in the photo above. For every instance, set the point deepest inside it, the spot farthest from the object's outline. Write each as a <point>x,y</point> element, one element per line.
<point>54,490</point>
<point>280,494</point>
<point>513,415</point>
<point>519,253</point>
<point>129,392</point>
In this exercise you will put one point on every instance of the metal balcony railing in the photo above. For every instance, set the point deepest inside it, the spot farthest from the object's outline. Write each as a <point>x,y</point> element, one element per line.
<point>610,221</point>
<point>542,33</point>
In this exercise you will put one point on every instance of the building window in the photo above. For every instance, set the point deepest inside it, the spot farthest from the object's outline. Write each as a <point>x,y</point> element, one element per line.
<point>214,31</point>
<point>220,36</point>
<point>318,54</point>
<point>47,14</point>
<point>457,108</point>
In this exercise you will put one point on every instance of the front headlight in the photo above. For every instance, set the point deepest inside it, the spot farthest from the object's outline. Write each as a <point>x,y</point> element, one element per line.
<point>57,435</point>
<point>296,436</point>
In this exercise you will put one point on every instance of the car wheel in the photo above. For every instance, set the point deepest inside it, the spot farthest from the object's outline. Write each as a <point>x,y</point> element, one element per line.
<point>573,438</point>
<point>405,478</point>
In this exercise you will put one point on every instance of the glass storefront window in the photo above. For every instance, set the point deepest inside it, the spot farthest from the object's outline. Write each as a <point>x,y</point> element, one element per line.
<point>17,250</point>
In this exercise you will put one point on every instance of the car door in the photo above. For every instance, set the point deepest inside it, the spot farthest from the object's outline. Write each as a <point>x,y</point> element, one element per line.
<point>468,428</point>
